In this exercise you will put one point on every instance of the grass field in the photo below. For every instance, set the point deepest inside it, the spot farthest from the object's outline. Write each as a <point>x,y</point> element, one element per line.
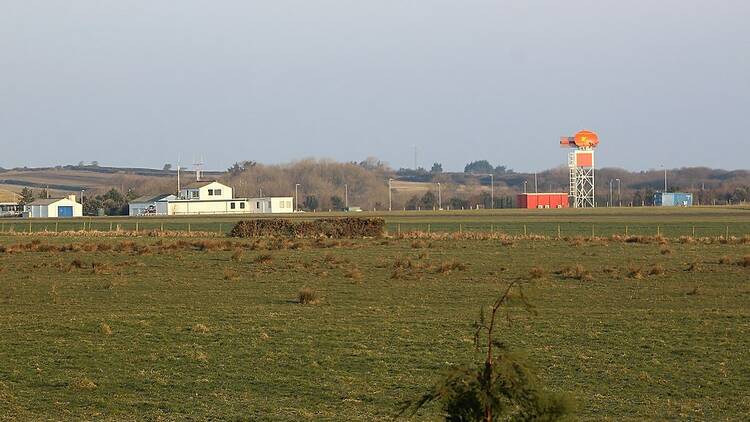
<point>671,222</point>
<point>192,329</point>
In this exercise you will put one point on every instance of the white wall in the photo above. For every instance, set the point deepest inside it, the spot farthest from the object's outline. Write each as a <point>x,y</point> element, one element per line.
<point>50,211</point>
<point>184,207</point>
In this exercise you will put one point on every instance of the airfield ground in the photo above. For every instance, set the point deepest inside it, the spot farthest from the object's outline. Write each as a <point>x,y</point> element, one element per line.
<point>174,328</point>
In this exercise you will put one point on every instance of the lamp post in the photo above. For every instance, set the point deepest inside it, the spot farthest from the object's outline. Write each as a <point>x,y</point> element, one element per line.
<point>346,196</point>
<point>525,182</point>
<point>665,177</point>
<point>390,197</point>
<point>82,201</point>
<point>536,186</point>
<point>440,198</point>
<point>610,192</point>
<point>619,196</point>
<point>296,197</point>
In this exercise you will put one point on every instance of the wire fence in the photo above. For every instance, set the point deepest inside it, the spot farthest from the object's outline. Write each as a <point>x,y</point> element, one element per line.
<point>550,229</point>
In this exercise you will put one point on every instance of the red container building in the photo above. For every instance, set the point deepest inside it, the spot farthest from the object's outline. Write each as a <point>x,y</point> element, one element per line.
<point>543,200</point>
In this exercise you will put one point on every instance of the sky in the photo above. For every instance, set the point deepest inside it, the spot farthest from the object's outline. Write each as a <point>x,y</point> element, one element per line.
<point>141,82</point>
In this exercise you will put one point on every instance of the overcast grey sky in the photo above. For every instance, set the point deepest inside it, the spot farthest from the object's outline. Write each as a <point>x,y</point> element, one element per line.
<point>135,82</point>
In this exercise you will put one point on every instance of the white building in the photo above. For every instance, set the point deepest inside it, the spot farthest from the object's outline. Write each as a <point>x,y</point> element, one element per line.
<point>9,203</point>
<point>151,204</point>
<point>54,207</point>
<point>208,198</point>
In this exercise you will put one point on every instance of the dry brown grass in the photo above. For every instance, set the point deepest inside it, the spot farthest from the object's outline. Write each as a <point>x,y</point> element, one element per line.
<point>308,296</point>
<point>418,244</point>
<point>200,328</point>
<point>354,273</point>
<point>725,260</point>
<point>635,272</point>
<point>237,255</point>
<point>263,259</point>
<point>693,266</point>
<point>105,329</point>
<point>744,261</point>
<point>656,269</point>
<point>83,383</point>
<point>448,267</point>
<point>579,272</point>
<point>536,273</point>
<point>665,250</point>
<point>201,356</point>
<point>230,274</point>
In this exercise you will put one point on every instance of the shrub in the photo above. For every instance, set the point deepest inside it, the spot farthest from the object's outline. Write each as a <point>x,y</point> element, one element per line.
<point>665,250</point>
<point>308,296</point>
<point>693,266</point>
<point>725,260</point>
<point>346,227</point>
<point>76,263</point>
<point>230,274</point>
<point>745,261</point>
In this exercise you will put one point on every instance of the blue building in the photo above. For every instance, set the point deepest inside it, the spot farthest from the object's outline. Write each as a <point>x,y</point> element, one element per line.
<point>673,199</point>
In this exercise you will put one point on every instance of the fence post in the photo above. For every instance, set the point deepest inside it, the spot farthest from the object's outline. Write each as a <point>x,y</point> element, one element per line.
<point>219,228</point>
<point>693,231</point>
<point>626,231</point>
<point>524,230</point>
<point>136,226</point>
<point>188,227</point>
<point>55,226</point>
<point>429,229</point>
<point>727,235</point>
<point>593,232</point>
<point>558,232</point>
<point>658,230</point>
<point>29,225</point>
<point>460,228</point>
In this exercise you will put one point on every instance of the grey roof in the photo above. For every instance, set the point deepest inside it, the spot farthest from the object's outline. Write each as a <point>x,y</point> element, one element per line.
<point>147,199</point>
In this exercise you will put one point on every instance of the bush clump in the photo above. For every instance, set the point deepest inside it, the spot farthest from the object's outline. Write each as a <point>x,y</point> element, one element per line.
<point>348,227</point>
<point>308,296</point>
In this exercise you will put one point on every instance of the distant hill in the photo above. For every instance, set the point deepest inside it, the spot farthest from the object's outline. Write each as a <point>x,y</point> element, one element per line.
<point>325,184</point>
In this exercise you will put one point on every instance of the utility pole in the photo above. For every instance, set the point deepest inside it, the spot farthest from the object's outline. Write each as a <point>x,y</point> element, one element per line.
<point>346,196</point>
<point>536,186</point>
<point>610,192</point>
<point>619,196</point>
<point>440,198</point>
<point>525,182</point>
<point>390,197</point>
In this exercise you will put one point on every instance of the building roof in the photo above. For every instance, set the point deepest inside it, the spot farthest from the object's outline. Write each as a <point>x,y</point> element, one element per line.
<point>145,199</point>
<point>46,201</point>
<point>196,185</point>
<point>7,196</point>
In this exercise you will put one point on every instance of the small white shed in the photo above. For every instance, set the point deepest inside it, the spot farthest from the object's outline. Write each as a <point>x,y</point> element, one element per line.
<point>54,208</point>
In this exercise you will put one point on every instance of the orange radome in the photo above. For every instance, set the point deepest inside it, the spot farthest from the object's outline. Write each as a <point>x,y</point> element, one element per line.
<point>586,139</point>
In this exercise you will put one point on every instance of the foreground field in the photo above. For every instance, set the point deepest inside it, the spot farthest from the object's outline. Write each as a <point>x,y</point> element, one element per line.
<point>112,329</point>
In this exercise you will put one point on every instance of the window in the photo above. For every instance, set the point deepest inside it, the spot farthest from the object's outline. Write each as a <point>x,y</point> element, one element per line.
<point>210,192</point>
<point>193,193</point>
<point>242,205</point>
<point>257,205</point>
<point>217,192</point>
<point>232,205</point>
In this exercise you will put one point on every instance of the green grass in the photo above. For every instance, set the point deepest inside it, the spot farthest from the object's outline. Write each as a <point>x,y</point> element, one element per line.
<point>197,334</point>
<point>673,222</point>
